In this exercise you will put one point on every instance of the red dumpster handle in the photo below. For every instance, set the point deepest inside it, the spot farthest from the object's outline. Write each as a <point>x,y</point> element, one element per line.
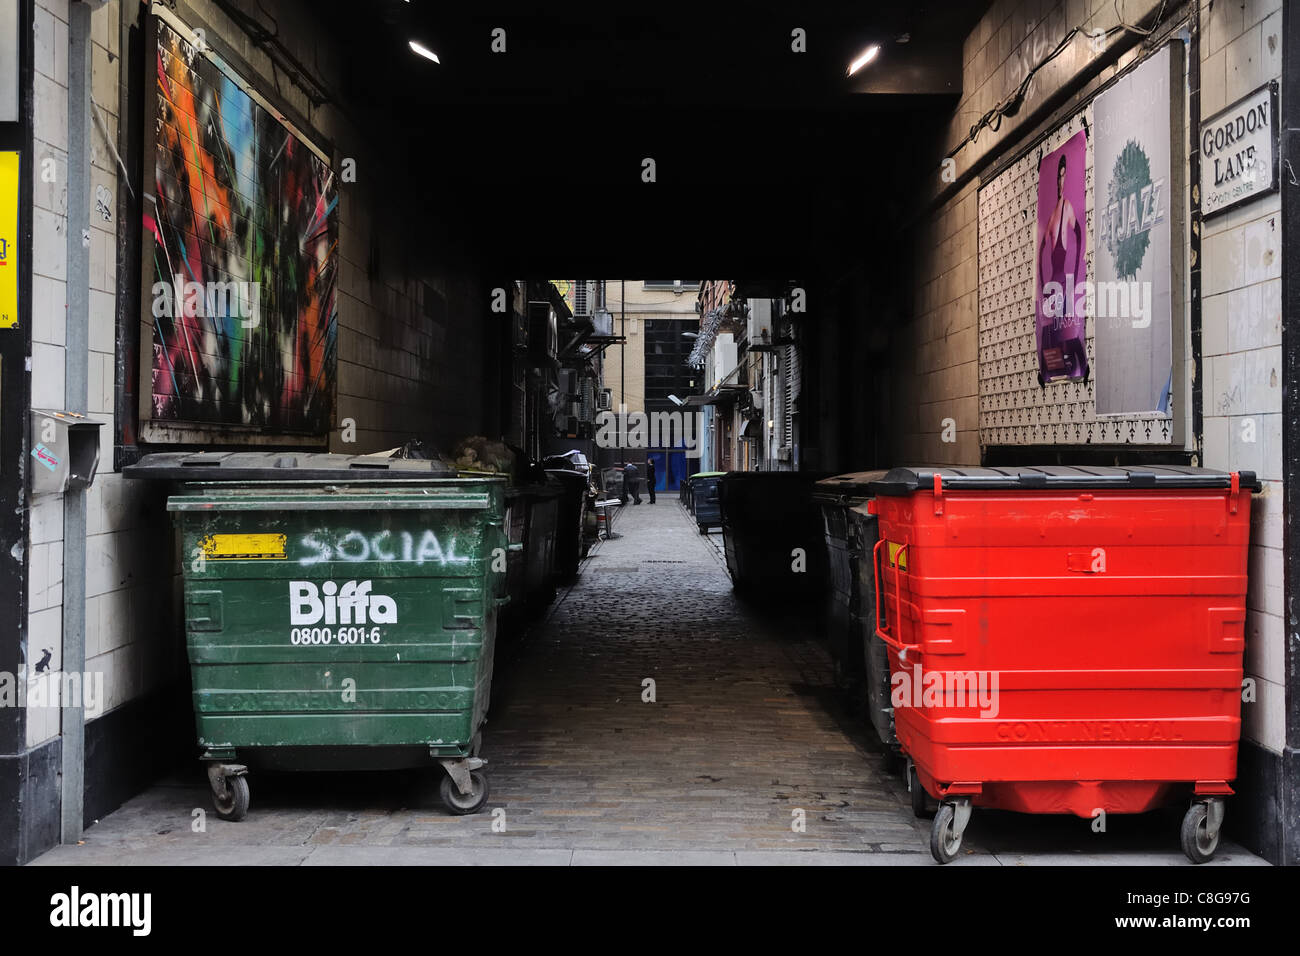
<point>881,633</point>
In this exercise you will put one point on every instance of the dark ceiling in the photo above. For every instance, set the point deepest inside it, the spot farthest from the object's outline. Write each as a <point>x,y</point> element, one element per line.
<point>760,152</point>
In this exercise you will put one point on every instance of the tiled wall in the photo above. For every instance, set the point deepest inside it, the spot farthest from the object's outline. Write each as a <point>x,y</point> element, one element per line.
<point>122,612</point>
<point>409,342</point>
<point>1241,343</point>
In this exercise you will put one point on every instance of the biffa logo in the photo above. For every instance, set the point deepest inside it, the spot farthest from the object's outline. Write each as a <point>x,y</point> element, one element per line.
<point>339,604</point>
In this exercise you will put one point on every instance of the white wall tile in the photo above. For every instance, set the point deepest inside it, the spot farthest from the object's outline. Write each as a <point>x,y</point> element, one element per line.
<point>1265,646</point>
<point>1217,447</point>
<point>49,247</point>
<point>47,376</point>
<point>1271,47</point>
<point>1264,720</point>
<point>46,517</point>
<point>1262,258</point>
<point>49,310</point>
<point>1244,64</point>
<point>1214,325</point>
<point>1246,455</point>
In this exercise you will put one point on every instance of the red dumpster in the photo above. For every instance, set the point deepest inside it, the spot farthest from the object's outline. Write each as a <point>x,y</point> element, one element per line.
<point>1065,640</point>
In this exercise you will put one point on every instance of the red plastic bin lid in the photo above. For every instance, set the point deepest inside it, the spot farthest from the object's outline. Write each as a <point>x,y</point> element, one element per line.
<point>905,481</point>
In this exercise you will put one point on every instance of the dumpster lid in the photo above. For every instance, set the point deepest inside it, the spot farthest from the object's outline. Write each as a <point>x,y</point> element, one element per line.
<point>282,466</point>
<point>839,489</point>
<point>905,481</point>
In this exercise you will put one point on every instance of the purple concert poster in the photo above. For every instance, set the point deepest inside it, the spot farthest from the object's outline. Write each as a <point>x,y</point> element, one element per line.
<point>1061,247</point>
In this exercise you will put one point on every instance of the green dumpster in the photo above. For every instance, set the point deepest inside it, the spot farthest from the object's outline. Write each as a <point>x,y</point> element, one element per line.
<point>772,535</point>
<point>337,615</point>
<point>532,513</point>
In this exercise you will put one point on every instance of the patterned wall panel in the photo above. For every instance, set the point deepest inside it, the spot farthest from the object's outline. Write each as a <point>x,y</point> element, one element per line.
<point>1013,408</point>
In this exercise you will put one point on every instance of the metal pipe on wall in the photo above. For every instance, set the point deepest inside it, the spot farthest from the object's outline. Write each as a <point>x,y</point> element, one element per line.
<point>75,393</point>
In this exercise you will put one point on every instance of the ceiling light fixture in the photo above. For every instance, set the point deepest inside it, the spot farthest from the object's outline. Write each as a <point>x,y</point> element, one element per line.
<point>867,56</point>
<point>424,51</point>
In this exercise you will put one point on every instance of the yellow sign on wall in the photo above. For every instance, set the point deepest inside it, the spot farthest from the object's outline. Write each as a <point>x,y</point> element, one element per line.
<point>8,240</point>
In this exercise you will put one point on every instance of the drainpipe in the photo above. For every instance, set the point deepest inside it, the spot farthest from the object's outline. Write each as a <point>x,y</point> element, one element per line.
<point>75,391</point>
<point>622,349</point>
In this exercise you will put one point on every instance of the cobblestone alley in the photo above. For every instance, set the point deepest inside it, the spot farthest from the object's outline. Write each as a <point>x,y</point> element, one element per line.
<point>745,730</point>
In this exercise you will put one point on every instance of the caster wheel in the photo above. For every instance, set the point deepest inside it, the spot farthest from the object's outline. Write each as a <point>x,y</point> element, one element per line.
<point>464,803</point>
<point>232,801</point>
<point>920,803</point>
<point>945,842</point>
<point>1197,843</point>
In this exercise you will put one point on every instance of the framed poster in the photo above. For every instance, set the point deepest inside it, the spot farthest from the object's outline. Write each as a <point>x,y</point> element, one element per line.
<point>241,257</point>
<point>1133,295</point>
<point>1060,256</point>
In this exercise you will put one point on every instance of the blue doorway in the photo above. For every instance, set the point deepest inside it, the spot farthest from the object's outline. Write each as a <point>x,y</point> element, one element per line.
<point>670,469</point>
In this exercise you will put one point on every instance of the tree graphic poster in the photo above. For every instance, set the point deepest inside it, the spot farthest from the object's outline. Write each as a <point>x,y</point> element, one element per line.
<point>1134,196</point>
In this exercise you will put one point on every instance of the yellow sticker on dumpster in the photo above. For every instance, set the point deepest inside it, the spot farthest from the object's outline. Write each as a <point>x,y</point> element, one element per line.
<point>245,547</point>
<point>894,548</point>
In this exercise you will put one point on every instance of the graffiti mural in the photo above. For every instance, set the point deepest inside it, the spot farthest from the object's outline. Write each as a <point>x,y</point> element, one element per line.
<point>243,240</point>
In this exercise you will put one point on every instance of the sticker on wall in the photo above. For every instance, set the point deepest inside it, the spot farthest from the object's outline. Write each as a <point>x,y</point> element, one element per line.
<point>8,240</point>
<point>46,457</point>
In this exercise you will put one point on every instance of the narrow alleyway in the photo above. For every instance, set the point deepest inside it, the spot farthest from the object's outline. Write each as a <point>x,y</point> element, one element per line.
<point>745,730</point>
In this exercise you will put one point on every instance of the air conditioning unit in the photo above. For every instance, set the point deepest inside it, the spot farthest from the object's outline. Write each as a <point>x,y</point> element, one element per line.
<point>584,297</point>
<point>605,400</point>
<point>543,333</point>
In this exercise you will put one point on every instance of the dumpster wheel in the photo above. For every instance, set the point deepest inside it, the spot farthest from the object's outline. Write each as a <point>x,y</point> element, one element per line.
<point>1200,830</point>
<point>229,791</point>
<point>946,832</point>
<point>464,803</point>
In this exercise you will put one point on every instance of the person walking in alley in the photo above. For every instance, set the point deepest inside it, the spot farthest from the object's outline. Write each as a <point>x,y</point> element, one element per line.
<point>631,477</point>
<point>650,478</point>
